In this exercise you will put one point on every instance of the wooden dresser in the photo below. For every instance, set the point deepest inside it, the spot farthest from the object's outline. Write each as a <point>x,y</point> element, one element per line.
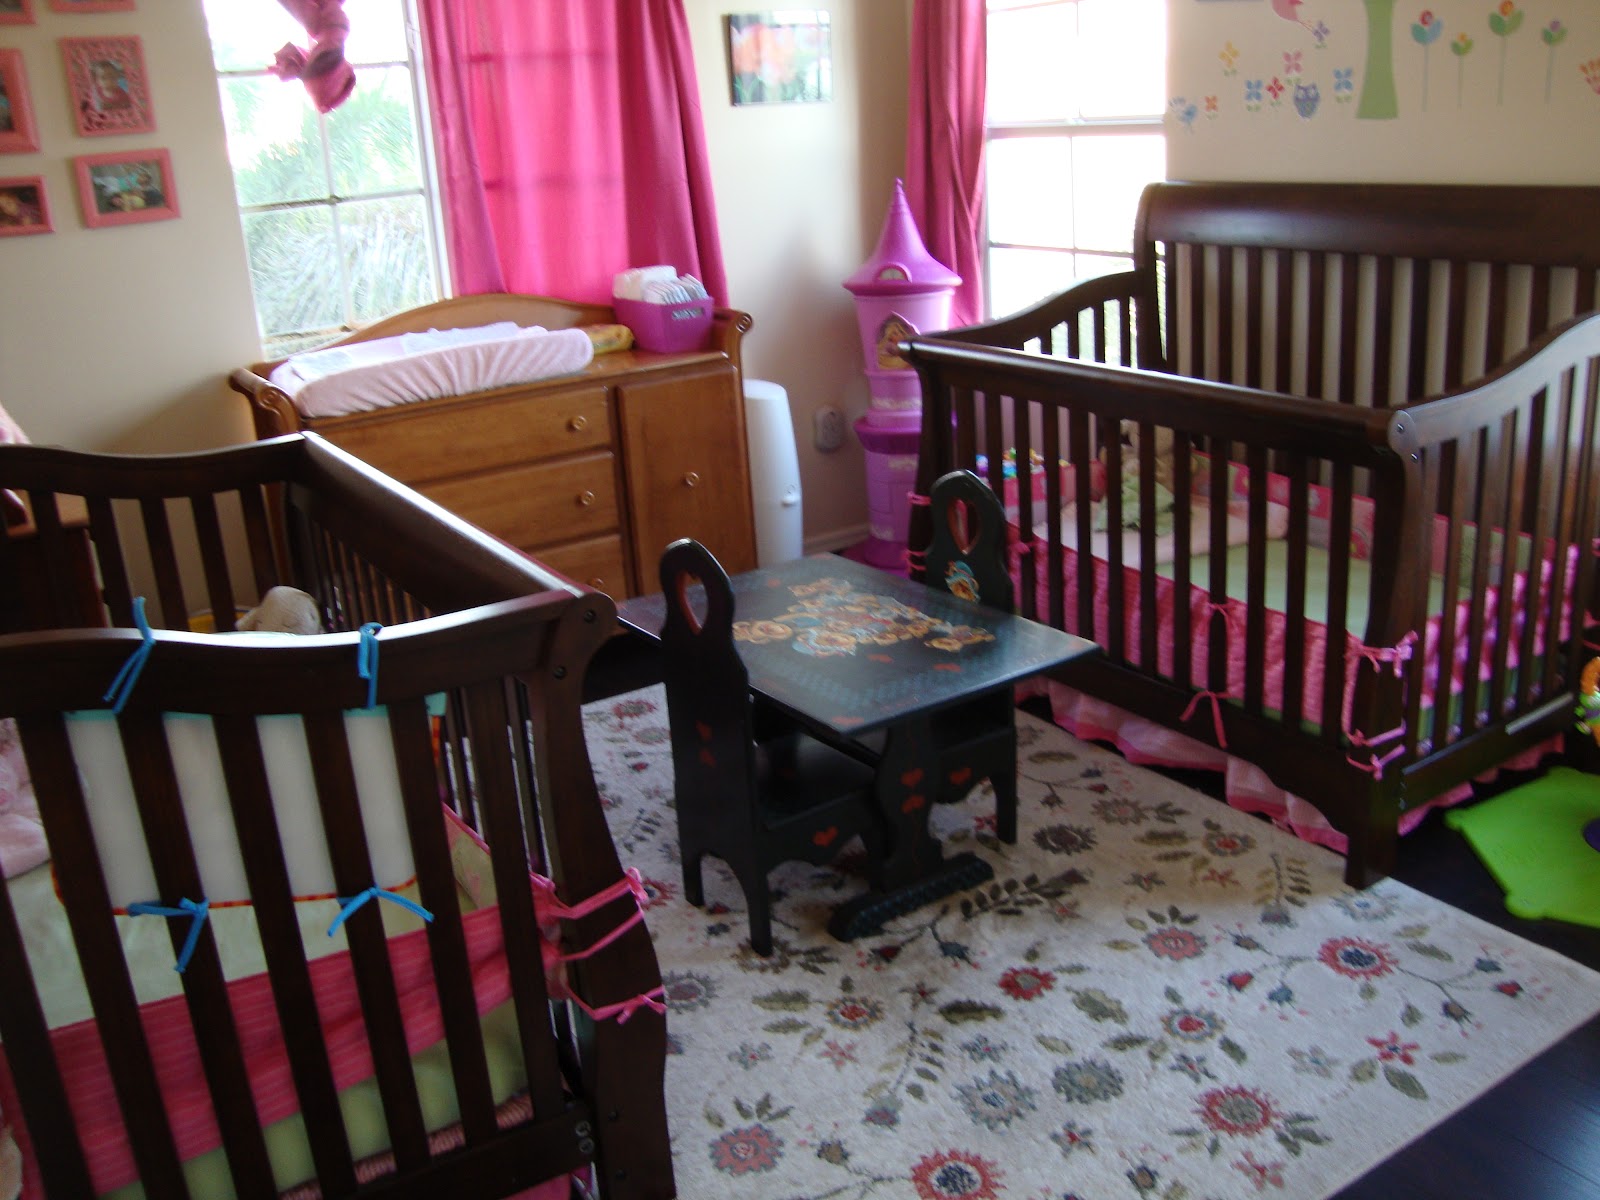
<point>592,473</point>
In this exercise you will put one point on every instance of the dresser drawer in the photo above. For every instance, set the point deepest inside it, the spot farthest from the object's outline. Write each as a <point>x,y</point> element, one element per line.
<point>418,443</point>
<point>596,563</point>
<point>536,505</point>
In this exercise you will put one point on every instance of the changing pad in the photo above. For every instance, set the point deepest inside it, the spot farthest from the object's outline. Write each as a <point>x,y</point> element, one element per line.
<point>425,366</point>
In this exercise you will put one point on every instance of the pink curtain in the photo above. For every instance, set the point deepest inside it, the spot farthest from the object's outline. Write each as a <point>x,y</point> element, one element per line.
<point>329,79</point>
<point>944,141</point>
<point>571,144</point>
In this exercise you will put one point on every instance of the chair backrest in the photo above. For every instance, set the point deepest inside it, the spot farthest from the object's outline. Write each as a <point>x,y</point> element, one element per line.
<point>967,556</point>
<point>708,688</point>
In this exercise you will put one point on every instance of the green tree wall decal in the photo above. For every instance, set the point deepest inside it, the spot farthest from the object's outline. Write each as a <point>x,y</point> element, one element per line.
<point>1379,100</point>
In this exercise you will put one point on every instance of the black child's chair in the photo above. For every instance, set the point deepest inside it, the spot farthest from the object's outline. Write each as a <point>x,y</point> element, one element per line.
<point>967,557</point>
<point>750,799</point>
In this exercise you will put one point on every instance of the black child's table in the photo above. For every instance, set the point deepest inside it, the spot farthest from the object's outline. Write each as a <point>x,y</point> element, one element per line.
<point>845,650</point>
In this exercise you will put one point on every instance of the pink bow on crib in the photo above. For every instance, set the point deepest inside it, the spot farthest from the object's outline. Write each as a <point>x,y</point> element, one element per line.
<point>1395,657</point>
<point>329,79</point>
<point>1214,609</point>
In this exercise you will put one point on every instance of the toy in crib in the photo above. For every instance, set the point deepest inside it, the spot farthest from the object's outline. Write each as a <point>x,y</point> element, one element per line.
<point>1589,700</point>
<point>282,610</point>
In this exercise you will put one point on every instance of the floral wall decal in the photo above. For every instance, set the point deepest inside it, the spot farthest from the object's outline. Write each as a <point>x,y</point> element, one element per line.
<point>1503,22</point>
<point>1461,47</point>
<point>1552,35</point>
<point>1425,32</point>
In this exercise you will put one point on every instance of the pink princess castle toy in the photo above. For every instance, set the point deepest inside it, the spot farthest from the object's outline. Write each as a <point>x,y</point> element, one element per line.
<point>900,291</point>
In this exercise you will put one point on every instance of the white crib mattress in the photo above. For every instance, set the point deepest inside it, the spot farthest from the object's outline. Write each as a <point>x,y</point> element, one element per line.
<point>424,366</point>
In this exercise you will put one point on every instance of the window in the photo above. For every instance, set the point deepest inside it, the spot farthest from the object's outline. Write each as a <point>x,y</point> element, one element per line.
<point>1074,132</point>
<point>338,210</point>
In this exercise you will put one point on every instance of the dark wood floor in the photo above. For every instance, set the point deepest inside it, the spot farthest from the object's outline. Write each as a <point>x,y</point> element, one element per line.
<point>1537,1135</point>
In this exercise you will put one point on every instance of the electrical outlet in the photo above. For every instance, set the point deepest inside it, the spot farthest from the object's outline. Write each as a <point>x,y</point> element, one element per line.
<point>829,428</point>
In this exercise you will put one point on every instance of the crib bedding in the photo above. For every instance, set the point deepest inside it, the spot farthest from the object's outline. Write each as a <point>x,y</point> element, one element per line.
<point>149,954</point>
<point>423,366</point>
<point>1247,787</point>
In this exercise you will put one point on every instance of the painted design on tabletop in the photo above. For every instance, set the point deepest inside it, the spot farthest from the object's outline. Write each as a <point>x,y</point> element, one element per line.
<point>830,617</point>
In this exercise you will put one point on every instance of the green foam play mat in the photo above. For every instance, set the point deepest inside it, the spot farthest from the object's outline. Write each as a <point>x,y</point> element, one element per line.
<point>1531,839</point>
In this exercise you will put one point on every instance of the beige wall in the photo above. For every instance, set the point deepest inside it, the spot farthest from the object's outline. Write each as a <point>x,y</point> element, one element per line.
<point>1513,109</point>
<point>120,338</point>
<point>802,190</point>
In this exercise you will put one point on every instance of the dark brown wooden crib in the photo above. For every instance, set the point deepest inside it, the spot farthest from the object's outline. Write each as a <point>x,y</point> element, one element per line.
<point>491,1066</point>
<point>1320,472</point>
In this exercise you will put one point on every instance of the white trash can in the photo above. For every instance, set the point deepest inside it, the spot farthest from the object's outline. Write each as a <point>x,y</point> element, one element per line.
<point>774,473</point>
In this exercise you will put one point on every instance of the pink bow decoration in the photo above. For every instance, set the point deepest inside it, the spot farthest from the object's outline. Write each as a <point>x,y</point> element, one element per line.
<point>329,79</point>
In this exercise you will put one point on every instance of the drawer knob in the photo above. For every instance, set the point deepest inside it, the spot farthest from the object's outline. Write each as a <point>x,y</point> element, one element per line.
<point>578,423</point>
<point>598,584</point>
<point>585,499</point>
<point>692,479</point>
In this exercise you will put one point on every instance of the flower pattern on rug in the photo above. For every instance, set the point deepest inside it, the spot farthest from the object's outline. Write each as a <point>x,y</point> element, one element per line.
<point>1156,998</point>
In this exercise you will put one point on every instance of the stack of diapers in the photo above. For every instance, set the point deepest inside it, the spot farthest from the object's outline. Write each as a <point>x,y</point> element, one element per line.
<point>667,312</point>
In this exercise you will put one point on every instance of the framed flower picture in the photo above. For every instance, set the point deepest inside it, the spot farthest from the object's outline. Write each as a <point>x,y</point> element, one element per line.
<point>18,134</point>
<point>109,88</point>
<point>16,12</point>
<point>23,207</point>
<point>126,187</point>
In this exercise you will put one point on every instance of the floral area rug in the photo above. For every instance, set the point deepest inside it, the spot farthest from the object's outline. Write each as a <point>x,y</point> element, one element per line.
<point>1156,997</point>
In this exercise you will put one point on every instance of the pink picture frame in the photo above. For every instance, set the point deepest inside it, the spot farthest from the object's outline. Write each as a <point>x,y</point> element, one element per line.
<point>16,12</point>
<point>126,187</point>
<point>24,207</point>
<point>108,84</point>
<point>18,133</point>
<point>91,5</point>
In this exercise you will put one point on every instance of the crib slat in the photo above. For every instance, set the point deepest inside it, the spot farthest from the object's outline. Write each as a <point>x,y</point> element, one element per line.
<point>99,952</point>
<point>1281,377</point>
<point>1455,367</point>
<point>261,849</point>
<point>374,975</point>
<point>1547,415</point>
<point>1183,449</point>
<point>1415,335</point>
<point>1195,312</point>
<point>57,1148</point>
<point>490,715</point>
<point>214,560</point>
<point>1555,523</point>
<point>1294,647</point>
<point>1254,301</point>
<point>1053,501</point>
<point>1316,319</point>
<point>1489,502</point>
<point>1081,451</point>
<point>1496,343</point>
<point>114,585</point>
<point>258,538</point>
<point>1339,529</point>
<point>1114,639</point>
<point>1126,346</point>
<point>1453,503</point>
<point>1027,601</point>
<point>1224,314</point>
<point>1350,317</point>
<point>1539,301</point>
<point>164,562</point>
<point>1383,335</point>
<point>1429,502</point>
<point>166,835</point>
<point>966,455</point>
<point>1148,625</point>
<point>1216,624</point>
<point>452,973</point>
<point>1255,641</point>
<point>1510,470</point>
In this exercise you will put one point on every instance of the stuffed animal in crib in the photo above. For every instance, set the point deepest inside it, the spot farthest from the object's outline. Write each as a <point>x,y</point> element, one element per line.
<point>1589,700</point>
<point>282,610</point>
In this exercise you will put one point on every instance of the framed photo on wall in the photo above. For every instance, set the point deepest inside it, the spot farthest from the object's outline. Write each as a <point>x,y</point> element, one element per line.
<point>23,207</point>
<point>91,5</point>
<point>126,187</point>
<point>109,88</point>
<point>780,57</point>
<point>16,12</point>
<point>18,134</point>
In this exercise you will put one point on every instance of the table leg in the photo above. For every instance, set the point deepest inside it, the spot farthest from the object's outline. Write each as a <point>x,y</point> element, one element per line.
<point>914,870</point>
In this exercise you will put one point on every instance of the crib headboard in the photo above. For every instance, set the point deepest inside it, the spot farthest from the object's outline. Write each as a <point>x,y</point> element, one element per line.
<point>1262,283</point>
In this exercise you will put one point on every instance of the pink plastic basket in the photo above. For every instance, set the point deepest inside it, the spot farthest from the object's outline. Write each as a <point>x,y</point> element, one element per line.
<point>666,328</point>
